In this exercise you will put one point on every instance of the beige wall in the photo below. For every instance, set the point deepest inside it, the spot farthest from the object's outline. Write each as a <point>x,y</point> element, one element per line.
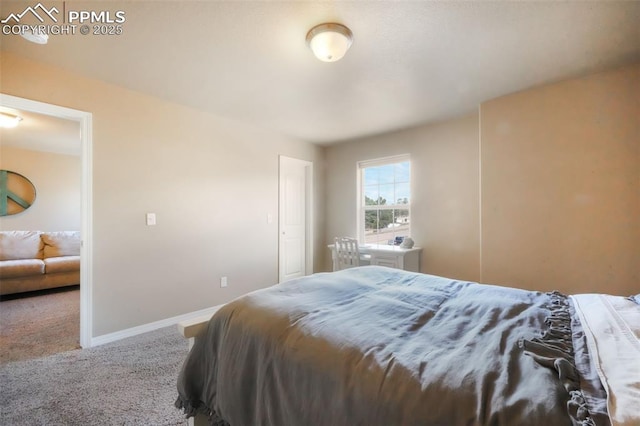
<point>561,186</point>
<point>444,181</point>
<point>542,192</point>
<point>211,182</point>
<point>57,180</point>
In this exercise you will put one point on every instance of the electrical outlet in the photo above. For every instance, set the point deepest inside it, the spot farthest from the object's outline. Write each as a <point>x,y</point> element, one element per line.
<point>223,282</point>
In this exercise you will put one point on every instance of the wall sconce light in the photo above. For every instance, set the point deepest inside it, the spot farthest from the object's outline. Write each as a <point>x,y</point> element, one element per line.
<point>9,120</point>
<point>329,42</point>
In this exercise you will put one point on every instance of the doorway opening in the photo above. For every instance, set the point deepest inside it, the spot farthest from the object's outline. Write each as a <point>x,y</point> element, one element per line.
<point>84,120</point>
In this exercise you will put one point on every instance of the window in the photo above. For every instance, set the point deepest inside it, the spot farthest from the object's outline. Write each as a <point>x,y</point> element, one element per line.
<point>385,200</point>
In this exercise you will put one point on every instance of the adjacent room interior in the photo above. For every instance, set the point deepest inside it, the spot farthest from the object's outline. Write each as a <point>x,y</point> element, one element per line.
<point>40,307</point>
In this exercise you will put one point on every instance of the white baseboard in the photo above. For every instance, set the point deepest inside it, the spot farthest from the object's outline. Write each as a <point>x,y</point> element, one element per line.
<point>134,331</point>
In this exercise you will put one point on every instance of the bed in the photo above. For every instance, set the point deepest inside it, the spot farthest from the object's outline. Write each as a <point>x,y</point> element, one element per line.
<point>379,346</point>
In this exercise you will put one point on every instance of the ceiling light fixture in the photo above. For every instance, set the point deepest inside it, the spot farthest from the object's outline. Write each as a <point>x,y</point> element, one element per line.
<point>9,120</point>
<point>39,37</point>
<point>329,42</point>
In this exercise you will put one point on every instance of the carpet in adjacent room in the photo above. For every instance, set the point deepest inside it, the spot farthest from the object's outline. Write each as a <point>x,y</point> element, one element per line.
<point>39,324</point>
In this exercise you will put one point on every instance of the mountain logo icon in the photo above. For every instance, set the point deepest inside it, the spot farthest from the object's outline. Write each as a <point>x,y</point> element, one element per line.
<point>38,11</point>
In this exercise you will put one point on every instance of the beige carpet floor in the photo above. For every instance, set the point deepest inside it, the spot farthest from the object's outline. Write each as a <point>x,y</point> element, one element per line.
<point>131,382</point>
<point>39,325</point>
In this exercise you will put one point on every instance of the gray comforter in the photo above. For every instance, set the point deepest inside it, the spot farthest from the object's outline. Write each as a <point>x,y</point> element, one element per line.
<point>377,346</point>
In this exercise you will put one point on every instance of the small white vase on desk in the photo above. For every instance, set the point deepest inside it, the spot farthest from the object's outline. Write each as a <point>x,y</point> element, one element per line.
<point>407,243</point>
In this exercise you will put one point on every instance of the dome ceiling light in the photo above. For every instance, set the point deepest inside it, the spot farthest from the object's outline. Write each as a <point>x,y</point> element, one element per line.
<point>37,36</point>
<point>330,41</point>
<point>8,121</point>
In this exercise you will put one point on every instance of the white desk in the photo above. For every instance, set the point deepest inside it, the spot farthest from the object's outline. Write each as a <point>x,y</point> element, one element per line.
<point>386,255</point>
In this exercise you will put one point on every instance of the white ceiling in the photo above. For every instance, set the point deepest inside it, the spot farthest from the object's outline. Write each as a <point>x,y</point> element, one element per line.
<point>39,132</point>
<point>410,63</point>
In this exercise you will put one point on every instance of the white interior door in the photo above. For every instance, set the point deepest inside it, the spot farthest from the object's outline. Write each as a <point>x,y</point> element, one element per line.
<point>294,216</point>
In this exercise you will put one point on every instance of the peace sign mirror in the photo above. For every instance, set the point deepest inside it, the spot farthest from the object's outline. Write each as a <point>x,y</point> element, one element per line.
<point>17,193</point>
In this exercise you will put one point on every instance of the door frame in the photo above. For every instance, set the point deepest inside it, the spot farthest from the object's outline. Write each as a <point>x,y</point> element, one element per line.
<point>85,120</point>
<point>308,165</point>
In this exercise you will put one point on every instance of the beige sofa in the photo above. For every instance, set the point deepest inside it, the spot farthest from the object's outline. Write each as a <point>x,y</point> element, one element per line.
<point>35,260</point>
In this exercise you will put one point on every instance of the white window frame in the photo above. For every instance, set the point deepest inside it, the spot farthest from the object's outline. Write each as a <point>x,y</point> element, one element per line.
<point>361,193</point>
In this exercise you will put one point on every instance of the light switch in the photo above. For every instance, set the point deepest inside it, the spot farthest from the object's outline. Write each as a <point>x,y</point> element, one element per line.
<point>151,219</point>
<point>269,218</point>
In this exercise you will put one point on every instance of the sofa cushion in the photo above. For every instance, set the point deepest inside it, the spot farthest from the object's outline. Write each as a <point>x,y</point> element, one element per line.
<point>21,268</point>
<point>63,243</point>
<point>61,264</point>
<point>16,245</point>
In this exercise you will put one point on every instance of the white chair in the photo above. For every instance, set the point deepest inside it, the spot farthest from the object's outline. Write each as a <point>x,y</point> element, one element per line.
<point>347,253</point>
